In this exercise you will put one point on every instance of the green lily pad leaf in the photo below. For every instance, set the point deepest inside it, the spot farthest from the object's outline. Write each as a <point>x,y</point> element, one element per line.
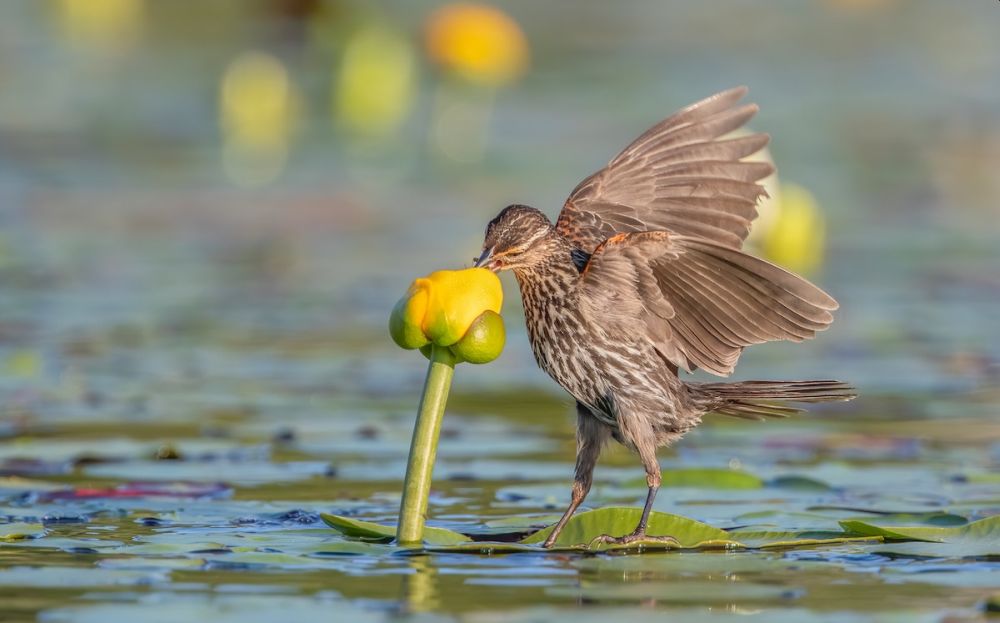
<point>799,483</point>
<point>979,538</point>
<point>982,478</point>
<point>992,603</point>
<point>20,531</point>
<point>781,539</point>
<point>930,518</point>
<point>583,528</point>
<point>369,530</point>
<point>707,477</point>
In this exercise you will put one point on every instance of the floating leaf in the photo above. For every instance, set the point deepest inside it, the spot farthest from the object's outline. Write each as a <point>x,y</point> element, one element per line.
<point>799,483</point>
<point>979,538</point>
<point>932,518</point>
<point>707,477</point>
<point>20,531</point>
<point>370,530</point>
<point>992,603</point>
<point>583,528</point>
<point>780,539</point>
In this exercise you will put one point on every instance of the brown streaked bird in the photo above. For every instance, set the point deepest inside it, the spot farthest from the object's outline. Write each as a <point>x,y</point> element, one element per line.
<point>642,276</point>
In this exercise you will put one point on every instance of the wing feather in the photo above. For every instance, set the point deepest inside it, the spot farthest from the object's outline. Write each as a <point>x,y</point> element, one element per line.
<point>671,178</point>
<point>699,302</point>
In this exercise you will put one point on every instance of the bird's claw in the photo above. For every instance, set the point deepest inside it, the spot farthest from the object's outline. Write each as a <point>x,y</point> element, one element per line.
<point>634,537</point>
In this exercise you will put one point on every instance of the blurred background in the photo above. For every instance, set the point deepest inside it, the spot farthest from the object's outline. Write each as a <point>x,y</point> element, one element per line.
<point>280,169</point>
<point>207,211</point>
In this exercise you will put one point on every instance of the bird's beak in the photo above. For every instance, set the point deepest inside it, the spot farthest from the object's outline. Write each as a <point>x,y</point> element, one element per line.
<point>484,259</point>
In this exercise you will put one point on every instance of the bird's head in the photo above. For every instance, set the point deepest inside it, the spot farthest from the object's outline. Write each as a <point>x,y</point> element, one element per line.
<point>519,237</point>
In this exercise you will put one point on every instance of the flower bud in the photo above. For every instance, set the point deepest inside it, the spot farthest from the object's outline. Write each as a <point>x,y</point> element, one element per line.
<point>483,341</point>
<point>448,306</point>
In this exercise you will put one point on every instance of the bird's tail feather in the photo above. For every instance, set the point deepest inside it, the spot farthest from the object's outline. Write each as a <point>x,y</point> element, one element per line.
<point>755,400</point>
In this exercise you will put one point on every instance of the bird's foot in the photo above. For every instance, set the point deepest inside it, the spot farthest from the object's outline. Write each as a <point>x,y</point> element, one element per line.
<point>634,537</point>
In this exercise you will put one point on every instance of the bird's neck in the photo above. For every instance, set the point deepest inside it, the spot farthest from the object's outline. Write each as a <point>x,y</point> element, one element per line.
<point>554,276</point>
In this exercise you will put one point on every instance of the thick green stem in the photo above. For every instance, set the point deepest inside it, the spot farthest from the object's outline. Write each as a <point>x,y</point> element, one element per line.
<point>423,447</point>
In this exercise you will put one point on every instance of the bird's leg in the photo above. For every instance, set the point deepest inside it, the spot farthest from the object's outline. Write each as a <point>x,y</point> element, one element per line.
<point>590,437</point>
<point>648,456</point>
<point>580,490</point>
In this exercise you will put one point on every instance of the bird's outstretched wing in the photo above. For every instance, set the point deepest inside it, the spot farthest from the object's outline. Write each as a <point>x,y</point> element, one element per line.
<point>679,176</point>
<point>699,302</point>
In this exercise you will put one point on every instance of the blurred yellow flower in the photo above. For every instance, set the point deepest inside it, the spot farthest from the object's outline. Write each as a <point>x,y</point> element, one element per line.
<point>256,100</point>
<point>102,23</point>
<point>452,308</point>
<point>796,236</point>
<point>375,87</point>
<point>23,364</point>
<point>478,42</point>
<point>258,109</point>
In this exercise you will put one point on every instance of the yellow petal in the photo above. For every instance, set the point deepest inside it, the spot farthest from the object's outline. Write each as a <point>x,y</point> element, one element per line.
<point>456,299</point>
<point>407,318</point>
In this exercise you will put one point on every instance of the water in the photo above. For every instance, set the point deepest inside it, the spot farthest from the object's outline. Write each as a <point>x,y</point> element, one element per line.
<point>193,371</point>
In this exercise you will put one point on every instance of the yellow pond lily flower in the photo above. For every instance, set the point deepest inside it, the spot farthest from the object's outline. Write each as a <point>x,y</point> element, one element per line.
<point>458,309</point>
<point>795,238</point>
<point>478,42</point>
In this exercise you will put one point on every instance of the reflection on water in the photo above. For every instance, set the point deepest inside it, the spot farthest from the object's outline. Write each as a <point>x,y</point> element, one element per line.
<point>193,369</point>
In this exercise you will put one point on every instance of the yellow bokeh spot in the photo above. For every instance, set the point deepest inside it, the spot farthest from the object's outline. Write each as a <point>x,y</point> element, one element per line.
<point>478,42</point>
<point>23,364</point>
<point>258,109</point>
<point>257,103</point>
<point>795,239</point>
<point>102,23</point>
<point>375,88</point>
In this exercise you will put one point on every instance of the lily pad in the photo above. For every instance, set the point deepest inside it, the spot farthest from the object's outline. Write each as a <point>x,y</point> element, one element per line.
<point>781,539</point>
<point>992,603</point>
<point>930,518</point>
<point>369,530</point>
<point>20,531</point>
<point>799,483</point>
<point>583,528</point>
<point>979,538</point>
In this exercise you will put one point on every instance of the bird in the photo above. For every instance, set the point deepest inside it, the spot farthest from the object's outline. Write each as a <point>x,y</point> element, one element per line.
<point>642,276</point>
